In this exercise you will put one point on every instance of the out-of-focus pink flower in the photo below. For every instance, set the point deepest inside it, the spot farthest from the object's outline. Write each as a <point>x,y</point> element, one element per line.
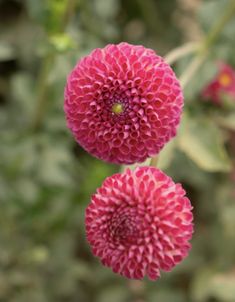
<point>222,84</point>
<point>123,103</point>
<point>139,222</point>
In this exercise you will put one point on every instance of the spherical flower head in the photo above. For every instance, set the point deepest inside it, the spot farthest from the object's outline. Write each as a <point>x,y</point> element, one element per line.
<point>123,103</point>
<point>222,84</point>
<point>139,222</point>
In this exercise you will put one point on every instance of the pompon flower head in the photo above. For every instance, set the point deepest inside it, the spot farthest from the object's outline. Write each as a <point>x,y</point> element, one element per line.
<point>222,84</point>
<point>139,222</point>
<point>123,103</point>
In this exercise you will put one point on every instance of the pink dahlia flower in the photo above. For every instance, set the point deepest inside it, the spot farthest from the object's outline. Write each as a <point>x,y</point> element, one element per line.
<point>139,222</point>
<point>223,83</point>
<point>123,103</point>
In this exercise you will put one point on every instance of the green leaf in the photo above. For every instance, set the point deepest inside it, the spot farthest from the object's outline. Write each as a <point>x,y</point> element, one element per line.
<point>227,121</point>
<point>211,284</point>
<point>210,11</point>
<point>23,93</point>
<point>201,141</point>
<point>204,75</point>
<point>53,166</point>
<point>62,42</point>
<point>205,15</point>
<point>200,290</point>
<point>6,52</point>
<point>222,287</point>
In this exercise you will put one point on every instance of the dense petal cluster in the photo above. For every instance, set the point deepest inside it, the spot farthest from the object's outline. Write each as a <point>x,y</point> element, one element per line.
<point>139,222</point>
<point>123,103</point>
<point>222,84</point>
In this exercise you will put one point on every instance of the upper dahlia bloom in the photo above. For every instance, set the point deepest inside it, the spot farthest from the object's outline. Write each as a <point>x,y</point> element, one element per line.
<point>139,222</point>
<point>223,83</point>
<point>123,103</point>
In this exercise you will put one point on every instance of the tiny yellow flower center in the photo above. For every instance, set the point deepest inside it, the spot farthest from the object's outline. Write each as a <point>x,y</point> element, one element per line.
<point>225,80</point>
<point>117,108</point>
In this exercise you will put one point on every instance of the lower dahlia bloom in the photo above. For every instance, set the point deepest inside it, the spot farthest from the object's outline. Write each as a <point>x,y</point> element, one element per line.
<point>139,222</point>
<point>123,103</point>
<point>223,83</point>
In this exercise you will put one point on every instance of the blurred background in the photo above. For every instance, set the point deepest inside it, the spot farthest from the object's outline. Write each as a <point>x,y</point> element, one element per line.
<point>46,179</point>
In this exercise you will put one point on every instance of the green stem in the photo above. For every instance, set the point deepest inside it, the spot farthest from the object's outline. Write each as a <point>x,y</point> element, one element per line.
<point>68,13</point>
<point>154,161</point>
<point>138,290</point>
<point>203,51</point>
<point>42,83</point>
<point>191,69</point>
<point>181,51</point>
<point>207,43</point>
<point>218,27</point>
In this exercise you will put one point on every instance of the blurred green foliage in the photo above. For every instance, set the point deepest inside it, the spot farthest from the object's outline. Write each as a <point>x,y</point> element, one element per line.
<point>46,179</point>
